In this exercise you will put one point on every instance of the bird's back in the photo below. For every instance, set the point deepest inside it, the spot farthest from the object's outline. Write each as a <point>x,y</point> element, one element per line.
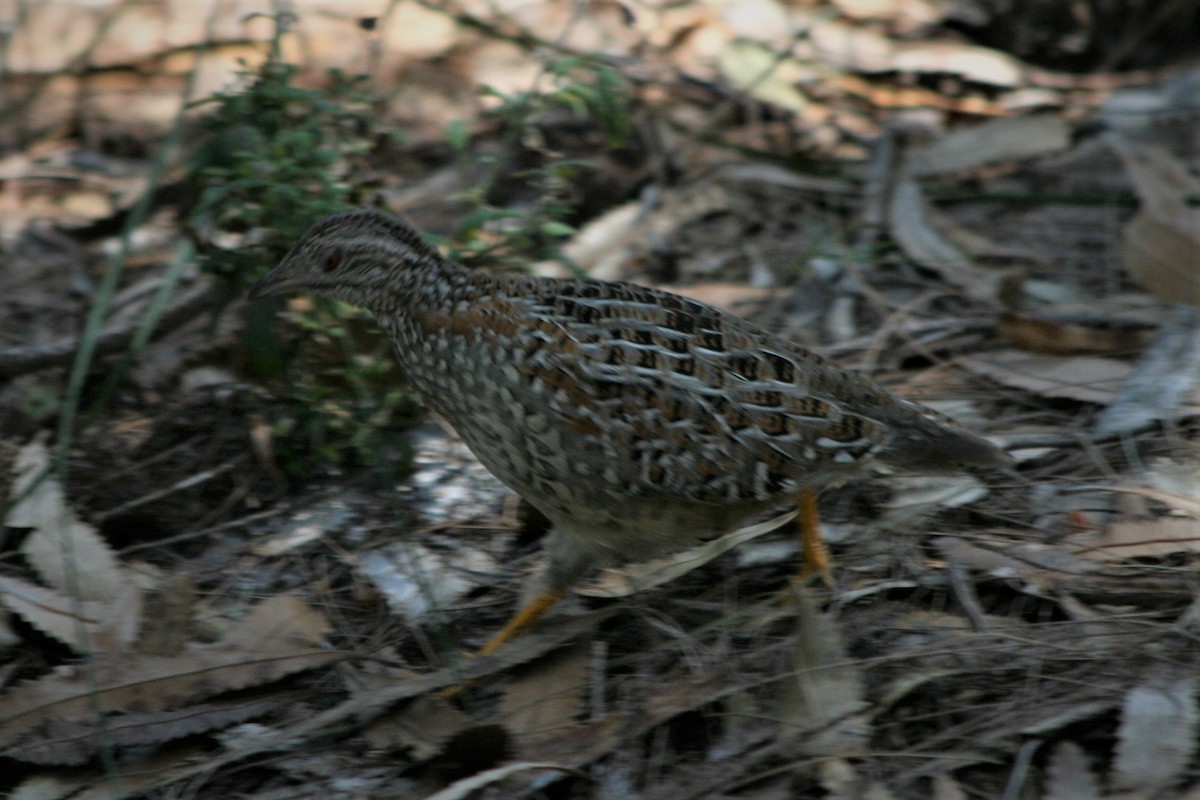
<point>586,395</point>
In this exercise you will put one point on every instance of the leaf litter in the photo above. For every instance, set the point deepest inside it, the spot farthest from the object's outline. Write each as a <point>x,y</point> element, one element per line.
<point>1028,634</point>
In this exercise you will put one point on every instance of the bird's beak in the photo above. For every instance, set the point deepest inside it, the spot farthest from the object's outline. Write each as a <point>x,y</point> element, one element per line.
<point>266,286</point>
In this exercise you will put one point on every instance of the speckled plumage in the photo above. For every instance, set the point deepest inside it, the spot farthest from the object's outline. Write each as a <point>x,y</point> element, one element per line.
<point>636,420</point>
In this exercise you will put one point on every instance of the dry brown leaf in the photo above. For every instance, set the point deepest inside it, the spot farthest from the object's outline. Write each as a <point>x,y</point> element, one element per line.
<point>601,247</point>
<point>86,627</point>
<point>1162,258</point>
<point>277,624</point>
<point>1069,776</point>
<point>946,788</point>
<point>72,742</point>
<point>1158,733</point>
<point>633,578</point>
<point>1184,504</point>
<point>68,554</point>
<point>1068,338</point>
<point>271,642</point>
<point>1034,563</point>
<point>545,698</point>
<point>422,727</point>
<point>145,683</point>
<point>823,705</point>
<point>170,607</point>
<point>922,234</point>
<point>1161,248</point>
<point>725,296</point>
<point>1145,538</point>
<point>155,771</point>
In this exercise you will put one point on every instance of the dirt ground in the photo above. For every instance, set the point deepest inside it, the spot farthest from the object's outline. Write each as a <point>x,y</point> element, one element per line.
<point>238,559</point>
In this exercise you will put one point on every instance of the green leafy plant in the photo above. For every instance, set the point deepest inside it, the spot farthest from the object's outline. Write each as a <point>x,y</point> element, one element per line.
<point>591,93</point>
<point>272,159</point>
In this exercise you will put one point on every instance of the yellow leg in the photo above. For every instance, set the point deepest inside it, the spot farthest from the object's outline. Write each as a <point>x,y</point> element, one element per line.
<point>529,614</point>
<point>814,554</point>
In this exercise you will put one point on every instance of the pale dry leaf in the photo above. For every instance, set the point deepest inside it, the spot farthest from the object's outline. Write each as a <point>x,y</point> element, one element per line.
<point>68,554</point>
<point>822,706</point>
<point>945,787</point>
<point>839,778</point>
<point>600,247</point>
<point>277,624</point>
<point>72,742</point>
<point>996,141</point>
<point>421,728</point>
<point>1030,561</point>
<point>150,683</point>
<point>1151,538</point>
<point>1175,479</point>
<point>1178,503</point>
<point>1161,248</point>
<point>850,47</point>
<point>1165,376</point>
<point>1090,379</point>
<point>921,233</point>
<point>544,699</point>
<point>86,627</point>
<point>1157,736</point>
<point>167,765</point>
<point>634,578</point>
<point>758,71</point>
<point>759,20</point>
<point>970,62</point>
<point>1069,776</point>
<point>416,580</point>
<point>725,296</point>
<point>146,683</point>
<point>465,788</point>
<point>916,496</point>
<point>44,787</point>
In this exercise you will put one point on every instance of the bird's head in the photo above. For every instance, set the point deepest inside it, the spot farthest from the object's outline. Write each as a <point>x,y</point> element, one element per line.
<point>356,256</point>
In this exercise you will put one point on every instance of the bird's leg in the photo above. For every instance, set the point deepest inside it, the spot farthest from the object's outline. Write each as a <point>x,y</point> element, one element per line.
<point>814,555</point>
<point>530,613</point>
<point>553,589</point>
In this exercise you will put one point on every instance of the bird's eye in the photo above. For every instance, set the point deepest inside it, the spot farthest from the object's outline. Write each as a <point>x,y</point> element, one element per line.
<point>331,259</point>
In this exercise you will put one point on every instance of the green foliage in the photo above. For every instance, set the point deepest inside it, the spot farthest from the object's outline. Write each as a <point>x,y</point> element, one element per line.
<point>272,160</point>
<point>589,91</point>
<point>347,405</point>
<point>587,88</point>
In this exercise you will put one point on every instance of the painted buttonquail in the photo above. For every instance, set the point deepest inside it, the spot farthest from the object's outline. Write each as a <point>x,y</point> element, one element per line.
<point>636,420</point>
